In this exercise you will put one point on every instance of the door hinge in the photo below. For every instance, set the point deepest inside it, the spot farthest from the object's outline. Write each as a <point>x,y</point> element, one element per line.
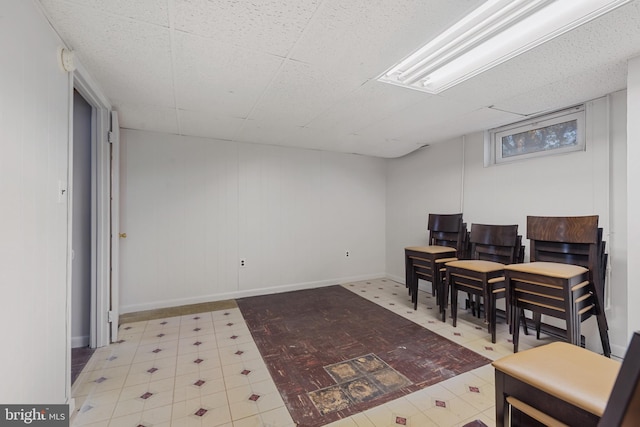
<point>110,316</point>
<point>110,137</point>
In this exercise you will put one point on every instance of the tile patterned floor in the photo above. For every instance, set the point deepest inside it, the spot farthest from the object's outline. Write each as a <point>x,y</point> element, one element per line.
<point>79,358</point>
<point>205,370</point>
<point>301,333</point>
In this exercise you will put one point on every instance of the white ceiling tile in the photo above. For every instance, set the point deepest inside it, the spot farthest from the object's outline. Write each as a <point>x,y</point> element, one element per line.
<point>367,105</point>
<point>277,133</point>
<point>302,71</point>
<point>131,60</point>
<point>302,92</point>
<point>198,123</point>
<point>415,123</point>
<point>598,44</point>
<point>365,38</point>
<point>147,117</point>
<point>271,26</point>
<point>218,78</point>
<point>569,91</point>
<point>150,11</point>
<point>466,123</point>
<point>378,146</point>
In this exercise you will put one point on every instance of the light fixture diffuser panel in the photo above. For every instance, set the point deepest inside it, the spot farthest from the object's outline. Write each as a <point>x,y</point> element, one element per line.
<point>493,33</point>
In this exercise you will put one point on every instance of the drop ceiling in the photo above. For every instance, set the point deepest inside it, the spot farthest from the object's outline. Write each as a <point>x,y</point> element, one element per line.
<point>302,73</point>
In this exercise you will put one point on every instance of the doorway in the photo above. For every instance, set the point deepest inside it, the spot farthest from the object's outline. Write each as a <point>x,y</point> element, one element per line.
<point>81,247</point>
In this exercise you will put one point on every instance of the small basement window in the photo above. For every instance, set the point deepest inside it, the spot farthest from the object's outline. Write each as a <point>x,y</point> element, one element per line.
<point>555,133</point>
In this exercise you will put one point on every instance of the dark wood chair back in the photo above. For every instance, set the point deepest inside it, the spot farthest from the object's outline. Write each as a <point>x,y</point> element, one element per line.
<point>447,230</point>
<point>569,240</point>
<point>573,240</point>
<point>576,241</point>
<point>623,406</point>
<point>497,243</point>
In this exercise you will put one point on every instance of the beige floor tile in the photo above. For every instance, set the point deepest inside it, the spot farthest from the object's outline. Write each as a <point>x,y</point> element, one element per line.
<point>481,417</point>
<point>208,410</point>
<point>197,362</point>
<point>451,412</point>
<point>362,420</point>
<point>278,417</point>
<point>426,398</point>
<point>192,386</point>
<point>104,423</point>
<point>243,409</point>
<point>239,353</point>
<point>402,407</point>
<point>346,422</point>
<point>236,388</point>
<point>490,413</point>
<point>252,421</point>
<point>91,414</point>
<point>485,373</point>
<point>152,370</point>
<point>416,420</point>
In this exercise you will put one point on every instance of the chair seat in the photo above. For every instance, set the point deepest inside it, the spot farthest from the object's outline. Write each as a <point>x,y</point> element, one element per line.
<point>480,266</point>
<point>433,249</point>
<point>579,377</point>
<point>551,269</point>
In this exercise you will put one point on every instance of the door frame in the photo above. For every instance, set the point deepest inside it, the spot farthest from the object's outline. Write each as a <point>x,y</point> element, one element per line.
<point>101,280</point>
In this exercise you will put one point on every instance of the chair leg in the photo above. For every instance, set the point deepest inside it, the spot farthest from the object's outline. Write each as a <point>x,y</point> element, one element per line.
<point>502,411</point>
<point>603,327</point>
<point>444,299</point>
<point>537,319</point>
<point>408,267</point>
<point>523,317</point>
<point>414,292</point>
<point>604,335</point>
<point>491,307</point>
<point>454,305</point>
<point>516,332</point>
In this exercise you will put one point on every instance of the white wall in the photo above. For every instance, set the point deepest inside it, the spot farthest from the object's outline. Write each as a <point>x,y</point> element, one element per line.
<point>34,118</point>
<point>426,181</point>
<point>571,184</point>
<point>617,242</point>
<point>633,195</point>
<point>192,207</point>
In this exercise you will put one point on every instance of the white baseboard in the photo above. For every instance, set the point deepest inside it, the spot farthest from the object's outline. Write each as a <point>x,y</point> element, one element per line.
<point>243,293</point>
<point>396,278</point>
<point>81,341</point>
<point>618,351</point>
<point>72,409</point>
<point>422,285</point>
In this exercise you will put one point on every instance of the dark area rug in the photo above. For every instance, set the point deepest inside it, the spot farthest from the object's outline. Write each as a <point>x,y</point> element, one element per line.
<point>332,353</point>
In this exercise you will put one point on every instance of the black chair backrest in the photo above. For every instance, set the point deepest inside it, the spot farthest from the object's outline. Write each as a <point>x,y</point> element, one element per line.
<point>573,240</point>
<point>498,243</point>
<point>447,230</point>
<point>623,406</point>
<point>519,251</point>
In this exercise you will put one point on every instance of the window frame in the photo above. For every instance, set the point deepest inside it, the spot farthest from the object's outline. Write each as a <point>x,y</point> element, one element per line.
<point>577,113</point>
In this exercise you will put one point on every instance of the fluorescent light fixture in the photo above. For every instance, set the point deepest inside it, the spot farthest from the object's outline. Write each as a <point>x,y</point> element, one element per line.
<point>493,33</point>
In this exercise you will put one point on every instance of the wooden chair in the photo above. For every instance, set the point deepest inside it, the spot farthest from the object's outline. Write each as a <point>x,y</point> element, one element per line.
<point>563,279</point>
<point>560,384</point>
<point>492,246</point>
<point>447,235</point>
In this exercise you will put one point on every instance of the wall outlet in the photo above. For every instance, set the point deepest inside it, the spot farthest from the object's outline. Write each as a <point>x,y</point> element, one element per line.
<point>243,262</point>
<point>346,254</point>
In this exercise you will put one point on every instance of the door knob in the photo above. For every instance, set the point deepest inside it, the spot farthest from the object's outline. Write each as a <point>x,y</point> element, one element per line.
<point>123,235</point>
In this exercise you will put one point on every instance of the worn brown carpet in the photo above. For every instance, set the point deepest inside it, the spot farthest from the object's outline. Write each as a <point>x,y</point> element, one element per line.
<point>332,353</point>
